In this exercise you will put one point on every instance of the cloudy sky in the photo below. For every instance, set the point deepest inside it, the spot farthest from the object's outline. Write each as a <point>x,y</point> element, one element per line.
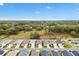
<point>39,11</point>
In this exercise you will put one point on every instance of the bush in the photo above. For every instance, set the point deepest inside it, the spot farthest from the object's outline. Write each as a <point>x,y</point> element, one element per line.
<point>39,28</point>
<point>68,46</point>
<point>34,36</point>
<point>73,33</point>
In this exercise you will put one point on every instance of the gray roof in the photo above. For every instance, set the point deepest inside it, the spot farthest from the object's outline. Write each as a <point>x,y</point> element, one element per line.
<point>51,42</point>
<point>38,42</point>
<point>45,42</point>
<point>24,52</point>
<point>55,53</point>
<point>59,41</point>
<point>66,53</point>
<point>34,53</point>
<point>44,53</point>
<point>11,42</point>
<point>25,42</point>
<point>75,53</point>
<point>1,52</point>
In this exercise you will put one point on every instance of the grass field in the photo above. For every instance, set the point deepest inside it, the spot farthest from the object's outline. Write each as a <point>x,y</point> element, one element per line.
<point>26,35</point>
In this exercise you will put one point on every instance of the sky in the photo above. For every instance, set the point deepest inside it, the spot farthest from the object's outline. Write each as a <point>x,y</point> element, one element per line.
<point>39,11</point>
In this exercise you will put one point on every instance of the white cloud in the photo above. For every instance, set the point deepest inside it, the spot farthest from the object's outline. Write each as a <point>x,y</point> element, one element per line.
<point>52,19</point>
<point>48,7</point>
<point>39,19</point>
<point>9,19</point>
<point>1,4</point>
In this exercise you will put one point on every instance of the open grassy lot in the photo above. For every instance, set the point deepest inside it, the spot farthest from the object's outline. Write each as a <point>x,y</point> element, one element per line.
<point>39,30</point>
<point>26,35</point>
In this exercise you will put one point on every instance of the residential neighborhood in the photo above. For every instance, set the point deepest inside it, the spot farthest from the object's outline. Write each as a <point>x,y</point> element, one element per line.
<point>39,47</point>
<point>39,29</point>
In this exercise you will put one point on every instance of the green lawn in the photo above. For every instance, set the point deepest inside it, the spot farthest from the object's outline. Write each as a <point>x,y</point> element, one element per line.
<point>77,46</point>
<point>5,46</point>
<point>60,52</point>
<point>51,46</point>
<point>26,35</point>
<point>14,45</point>
<point>29,46</point>
<point>66,45</point>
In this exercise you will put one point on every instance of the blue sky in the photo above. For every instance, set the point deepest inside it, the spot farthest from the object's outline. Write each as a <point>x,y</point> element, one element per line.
<point>39,11</point>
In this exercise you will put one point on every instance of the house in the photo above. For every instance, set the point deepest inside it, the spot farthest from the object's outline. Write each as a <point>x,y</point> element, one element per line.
<point>12,53</point>
<point>35,53</point>
<point>39,43</point>
<point>60,44</point>
<point>44,53</point>
<point>24,52</point>
<point>45,43</point>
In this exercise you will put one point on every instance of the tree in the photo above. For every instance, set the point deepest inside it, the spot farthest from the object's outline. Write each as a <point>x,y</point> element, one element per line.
<point>34,36</point>
<point>11,31</point>
<point>38,28</point>
<point>73,33</point>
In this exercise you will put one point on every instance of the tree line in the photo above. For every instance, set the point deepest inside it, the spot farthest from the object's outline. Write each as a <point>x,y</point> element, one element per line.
<point>70,27</point>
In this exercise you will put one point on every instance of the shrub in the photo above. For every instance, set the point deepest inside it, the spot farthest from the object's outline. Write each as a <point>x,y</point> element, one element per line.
<point>34,36</point>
